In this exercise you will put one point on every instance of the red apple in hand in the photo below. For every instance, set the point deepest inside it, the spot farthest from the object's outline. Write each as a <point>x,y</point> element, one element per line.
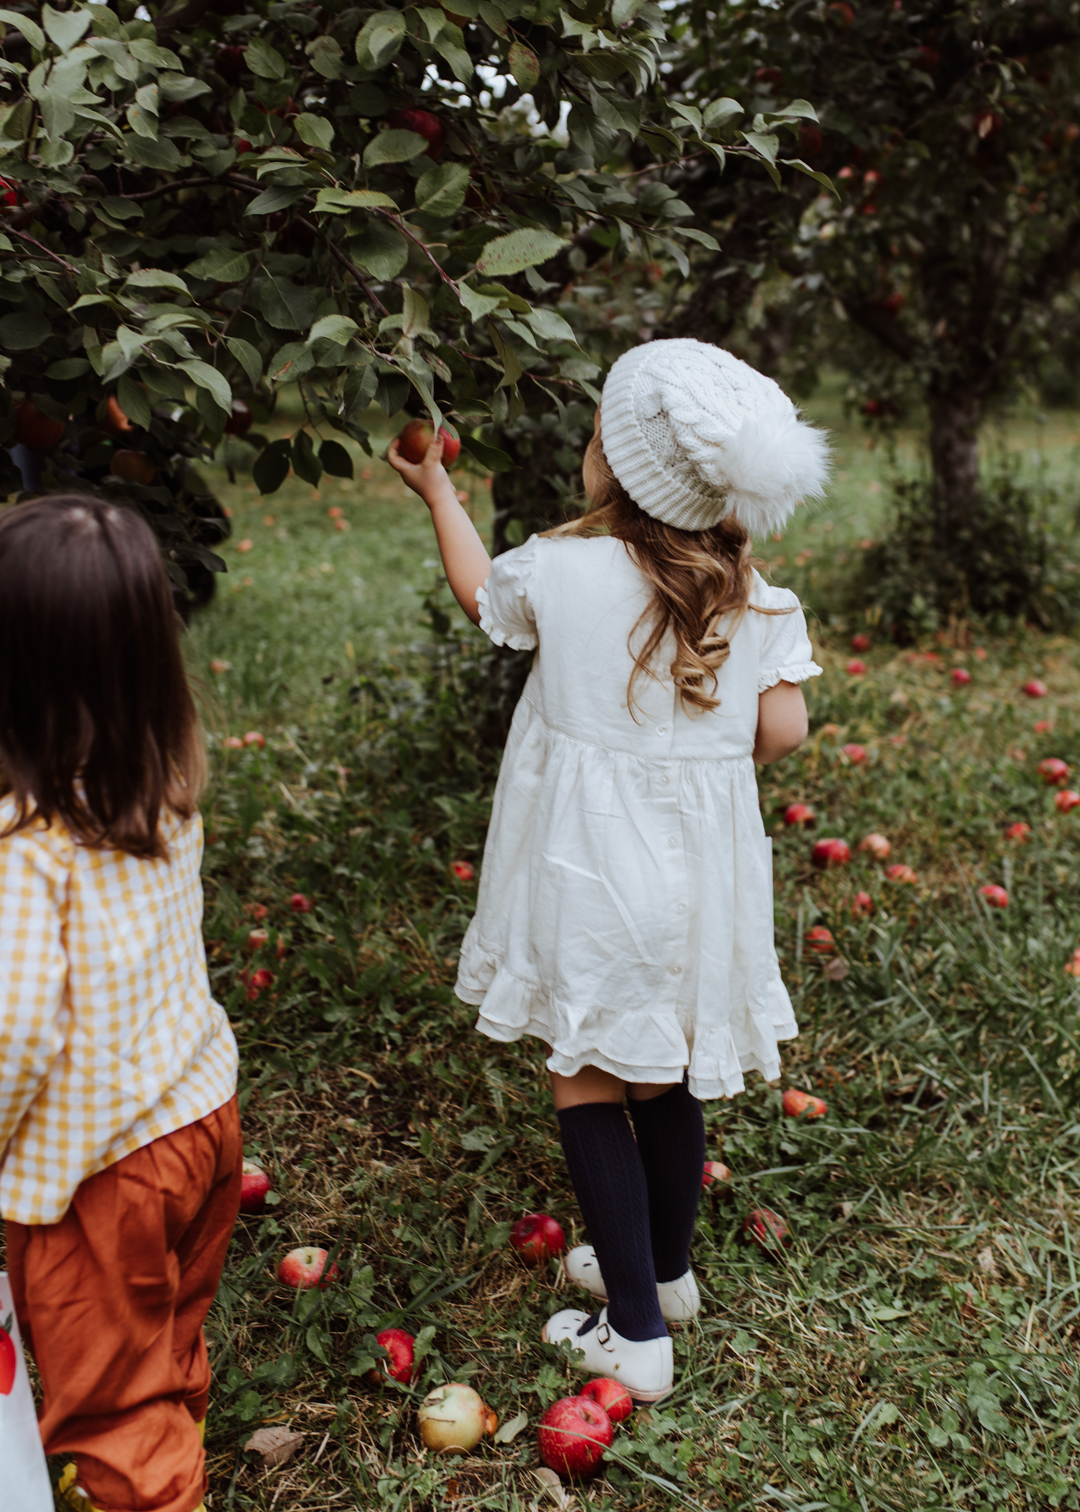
<point>400,1346</point>
<point>537,1237</point>
<point>417,437</point>
<point>9,1360</point>
<point>799,813</point>
<point>798,1104</point>
<point>611,1395</point>
<point>766,1229</point>
<point>254,1185</point>
<point>574,1433</point>
<point>829,853</point>
<point>305,1267</point>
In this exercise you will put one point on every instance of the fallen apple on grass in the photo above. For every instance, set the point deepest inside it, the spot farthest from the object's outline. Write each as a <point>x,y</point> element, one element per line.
<point>1053,770</point>
<point>855,667</point>
<point>799,814</point>
<point>611,1395</point>
<point>454,1418</point>
<point>1036,689</point>
<point>537,1237</point>
<point>876,845</point>
<point>714,1173</point>
<point>305,1267</point>
<point>418,435</point>
<point>1020,832</point>
<point>860,642</point>
<point>574,1434</point>
<point>301,904</point>
<point>400,1364</point>
<point>854,754</point>
<point>1072,967</point>
<point>255,738</point>
<point>254,1186</point>
<point>767,1230</point>
<point>862,905</point>
<point>901,872</point>
<point>464,871</point>
<point>960,677</point>
<point>256,982</point>
<point>798,1104</point>
<point>995,896</point>
<point>1065,800</point>
<point>820,940</point>
<point>830,852</point>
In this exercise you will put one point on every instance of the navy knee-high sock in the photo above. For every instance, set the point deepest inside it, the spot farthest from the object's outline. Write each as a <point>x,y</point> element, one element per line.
<point>610,1184</point>
<point>670,1133</point>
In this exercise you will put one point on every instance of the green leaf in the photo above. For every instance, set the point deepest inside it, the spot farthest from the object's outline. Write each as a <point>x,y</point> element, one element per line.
<point>520,250</point>
<point>120,209</point>
<point>315,130</point>
<point>394,146</point>
<point>131,397</point>
<point>156,278</point>
<point>67,368</point>
<point>765,143</point>
<point>288,306</point>
<point>160,153</point>
<point>450,44</point>
<point>210,379</point>
<point>718,111</point>
<point>306,464</point>
<point>624,11</point>
<point>550,325</point>
<point>488,456</point>
<point>279,197</point>
<point>335,460</point>
<point>337,328</point>
<point>380,249</point>
<point>65,28</point>
<point>416,316</point>
<point>263,60</point>
<point>247,356</point>
<point>379,39</point>
<point>289,362</point>
<point>701,237</point>
<point>271,466</point>
<point>30,29</point>
<point>440,192</point>
<point>801,108</point>
<point>222,264</point>
<point>525,65</point>
<point>22,330</point>
<point>822,178</point>
<point>341,201</point>
<point>325,55</point>
<point>478,305</point>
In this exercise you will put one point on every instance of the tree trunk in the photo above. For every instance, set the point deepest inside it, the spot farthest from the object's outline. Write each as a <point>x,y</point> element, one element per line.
<point>954,455</point>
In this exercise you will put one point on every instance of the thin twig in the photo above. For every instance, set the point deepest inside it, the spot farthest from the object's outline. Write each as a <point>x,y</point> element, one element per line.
<point>336,252</point>
<point>22,235</point>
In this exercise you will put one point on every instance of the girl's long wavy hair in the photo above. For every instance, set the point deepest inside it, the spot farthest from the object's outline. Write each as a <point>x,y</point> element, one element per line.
<point>700,580</point>
<point>98,727</point>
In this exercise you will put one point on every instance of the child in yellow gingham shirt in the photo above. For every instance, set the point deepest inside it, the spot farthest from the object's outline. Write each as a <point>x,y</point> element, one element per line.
<point>120,1148</point>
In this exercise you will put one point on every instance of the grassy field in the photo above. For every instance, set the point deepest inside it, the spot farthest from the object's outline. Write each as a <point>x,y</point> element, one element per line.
<point>916,1347</point>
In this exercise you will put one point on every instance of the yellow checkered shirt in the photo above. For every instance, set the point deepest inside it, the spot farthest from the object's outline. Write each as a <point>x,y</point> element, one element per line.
<point>109,1037</point>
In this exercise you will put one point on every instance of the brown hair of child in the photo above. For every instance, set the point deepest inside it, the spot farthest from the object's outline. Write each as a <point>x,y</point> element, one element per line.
<point>699,579</point>
<point>98,727</point>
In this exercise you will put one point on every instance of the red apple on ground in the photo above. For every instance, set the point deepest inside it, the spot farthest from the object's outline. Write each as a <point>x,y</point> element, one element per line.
<point>853,753</point>
<point>714,1173</point>
<point>424,124</point>
<point>464,871</point>
<point>820,940</point>
<point>855,667</point>
<point>611,1395</point>
<point>256,940</point>
<point>400,1365</point>
<point>574,1433</point>
<point>537,1237</point>
<point>1053,770</point>
<point>1036,689</point>
<point>860,642</point>
<point>255,738</point>
<point>876,845</point>
<point>1018,832</point>
<point>862,905</point>
<point>233,743</point>
<point>301,904</point>
<point>9,1360</point>
<point>257,981</point>
<point>453,1419</point>
<point>960,677</point>
<point>133,467</point>
<point>35,430</point>
<point>416,437</point>
<point>901,873</point>
<point>800,813</point>
<point>1072,967</point>
<point>240,421</point>
<point>766,1229</point>
<point>830,852</point>
<point>1065,800</point>
<point>305,1267</point>
<point>254,1186</point>
<point>798,1104</point>
<point>996,896</point>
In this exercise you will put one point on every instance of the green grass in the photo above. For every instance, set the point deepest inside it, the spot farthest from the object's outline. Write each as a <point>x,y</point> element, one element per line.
<point>916,1346</point>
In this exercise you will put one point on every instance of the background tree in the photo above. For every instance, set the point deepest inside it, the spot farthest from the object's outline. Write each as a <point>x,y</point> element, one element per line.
<point>206,205</point>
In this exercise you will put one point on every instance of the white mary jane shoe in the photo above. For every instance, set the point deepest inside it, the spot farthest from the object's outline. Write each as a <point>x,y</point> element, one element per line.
<point>679,1300</point>
<point>645,1367</point>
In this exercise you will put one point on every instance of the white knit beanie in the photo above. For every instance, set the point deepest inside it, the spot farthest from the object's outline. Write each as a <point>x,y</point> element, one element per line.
<point>694,434</point>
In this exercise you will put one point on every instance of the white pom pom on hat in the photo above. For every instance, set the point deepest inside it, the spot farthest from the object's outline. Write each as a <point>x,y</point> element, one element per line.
<point>694,434</point>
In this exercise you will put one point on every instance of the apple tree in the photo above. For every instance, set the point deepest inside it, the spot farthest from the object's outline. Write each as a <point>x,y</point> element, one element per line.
<point>945,270</point>
<point>204,201</point>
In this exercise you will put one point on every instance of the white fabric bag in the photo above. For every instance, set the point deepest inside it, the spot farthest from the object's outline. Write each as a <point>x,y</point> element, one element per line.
<point>25,1477</point>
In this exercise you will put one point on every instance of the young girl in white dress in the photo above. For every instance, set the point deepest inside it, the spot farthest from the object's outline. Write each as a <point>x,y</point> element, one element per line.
<point>625,910</point>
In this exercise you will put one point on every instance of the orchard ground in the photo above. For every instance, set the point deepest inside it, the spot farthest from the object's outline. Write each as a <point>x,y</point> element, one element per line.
<point>916,1347</point>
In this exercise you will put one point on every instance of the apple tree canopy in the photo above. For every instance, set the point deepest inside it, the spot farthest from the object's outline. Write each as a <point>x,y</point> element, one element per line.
<point>206,201</point>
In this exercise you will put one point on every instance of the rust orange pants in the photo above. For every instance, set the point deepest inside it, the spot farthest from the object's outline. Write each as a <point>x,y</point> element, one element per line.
<point>111,1301</point>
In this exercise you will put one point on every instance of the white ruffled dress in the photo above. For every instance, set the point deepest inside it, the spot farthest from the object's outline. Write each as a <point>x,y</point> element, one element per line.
<point>625,912</point>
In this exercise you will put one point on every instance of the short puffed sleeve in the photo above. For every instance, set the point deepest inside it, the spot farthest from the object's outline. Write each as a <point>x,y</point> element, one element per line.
<point>786,654</point>
<point>506,601</point>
